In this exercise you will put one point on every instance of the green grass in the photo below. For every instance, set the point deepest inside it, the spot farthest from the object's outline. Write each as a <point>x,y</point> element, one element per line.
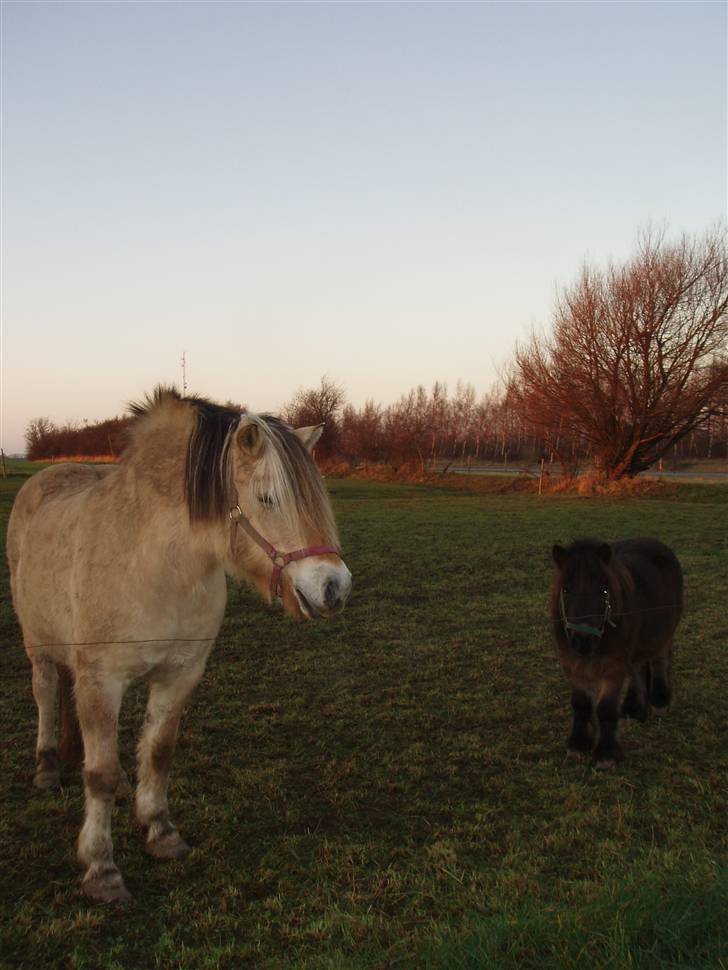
<point>391,790</point>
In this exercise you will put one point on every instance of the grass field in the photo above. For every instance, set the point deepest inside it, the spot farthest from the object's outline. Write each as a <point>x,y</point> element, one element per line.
<point>399,791</point>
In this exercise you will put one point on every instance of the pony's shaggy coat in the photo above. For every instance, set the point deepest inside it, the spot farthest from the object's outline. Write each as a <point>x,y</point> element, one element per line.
<point>632,591</point>
<point>119,573</point>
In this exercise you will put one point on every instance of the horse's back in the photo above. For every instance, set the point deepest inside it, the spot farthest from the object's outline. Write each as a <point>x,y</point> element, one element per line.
<point>46,486</point>
<point>42,522</point>
<point>649,555</point>
<point>657,580</point>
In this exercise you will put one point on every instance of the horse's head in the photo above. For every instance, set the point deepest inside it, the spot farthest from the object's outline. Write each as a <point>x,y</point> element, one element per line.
<point>283,535</point>
<point>581,599</point>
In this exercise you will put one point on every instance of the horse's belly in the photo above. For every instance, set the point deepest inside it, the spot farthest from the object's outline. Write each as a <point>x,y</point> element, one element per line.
<point>134,660</point>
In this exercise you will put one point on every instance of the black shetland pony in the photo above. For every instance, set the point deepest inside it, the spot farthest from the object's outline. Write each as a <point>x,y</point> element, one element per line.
<point>614,609</point>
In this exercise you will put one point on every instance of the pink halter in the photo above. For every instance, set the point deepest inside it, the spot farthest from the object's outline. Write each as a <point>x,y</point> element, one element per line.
<point>279,559</point>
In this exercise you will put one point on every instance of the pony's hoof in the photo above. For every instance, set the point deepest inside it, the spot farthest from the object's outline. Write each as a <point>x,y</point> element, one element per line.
<point>577,754</point>
<point>660,711</point>
<point>105,885</point>
<point>47,778</point>
<point>634,711</point>
<point>168,846</point>
<point>606,764</point>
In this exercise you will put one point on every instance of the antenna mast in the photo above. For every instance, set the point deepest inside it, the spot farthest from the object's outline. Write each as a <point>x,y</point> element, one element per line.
<point>184,374</point>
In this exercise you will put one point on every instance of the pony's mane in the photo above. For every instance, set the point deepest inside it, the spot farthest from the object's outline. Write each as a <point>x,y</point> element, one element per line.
<point>285,470</point>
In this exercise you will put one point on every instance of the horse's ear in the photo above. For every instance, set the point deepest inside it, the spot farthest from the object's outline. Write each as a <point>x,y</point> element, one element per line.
<point>559,555</point>
<point>604,552</point>
<point>309,436</point>
<point>249,438</point>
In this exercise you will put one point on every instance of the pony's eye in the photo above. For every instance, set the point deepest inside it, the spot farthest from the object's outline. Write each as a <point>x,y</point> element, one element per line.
<point>267,501</point>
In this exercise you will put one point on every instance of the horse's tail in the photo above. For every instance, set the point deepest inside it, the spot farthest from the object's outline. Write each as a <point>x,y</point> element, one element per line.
<point>70,745</point>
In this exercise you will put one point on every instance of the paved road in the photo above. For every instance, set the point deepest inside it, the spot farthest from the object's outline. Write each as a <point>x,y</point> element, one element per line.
<point>702,476</point>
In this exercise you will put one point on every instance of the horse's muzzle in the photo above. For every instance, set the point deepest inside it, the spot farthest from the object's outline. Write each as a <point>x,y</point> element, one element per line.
<point>326,598</point>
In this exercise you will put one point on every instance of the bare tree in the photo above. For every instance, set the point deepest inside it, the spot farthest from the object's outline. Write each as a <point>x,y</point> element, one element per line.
<point>318,405</point>
<point>638,355</point>
<point>36,433</point>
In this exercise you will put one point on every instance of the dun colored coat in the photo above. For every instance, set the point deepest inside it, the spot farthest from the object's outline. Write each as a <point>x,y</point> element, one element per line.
<point>119,573</point>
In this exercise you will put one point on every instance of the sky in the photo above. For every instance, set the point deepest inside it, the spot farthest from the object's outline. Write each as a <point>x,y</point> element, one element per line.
<point>389,194</point>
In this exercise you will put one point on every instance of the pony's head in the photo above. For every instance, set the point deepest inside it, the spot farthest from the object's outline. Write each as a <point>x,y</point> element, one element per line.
<point>258,474</point>
<point>582,598</point>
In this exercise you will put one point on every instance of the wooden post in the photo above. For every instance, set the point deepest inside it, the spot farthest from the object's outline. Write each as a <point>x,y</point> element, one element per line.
<point>540,479</point>
<point>5,472</point>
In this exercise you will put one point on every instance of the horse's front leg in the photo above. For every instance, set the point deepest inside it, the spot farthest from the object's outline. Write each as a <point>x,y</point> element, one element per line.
<point>169,690</point>
<point>608,750</point>
<point>581,739</point>
<point>98,700</point>
<point>660,693</point>
<point>635,700</point>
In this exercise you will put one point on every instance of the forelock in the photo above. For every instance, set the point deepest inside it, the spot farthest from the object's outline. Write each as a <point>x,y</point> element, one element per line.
<point>291,477</point>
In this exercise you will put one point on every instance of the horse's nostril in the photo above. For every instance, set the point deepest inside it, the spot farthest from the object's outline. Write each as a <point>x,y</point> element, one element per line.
<point>331,594</point>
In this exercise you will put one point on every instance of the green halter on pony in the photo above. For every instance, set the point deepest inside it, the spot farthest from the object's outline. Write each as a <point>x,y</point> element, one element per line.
<point>584,629</point>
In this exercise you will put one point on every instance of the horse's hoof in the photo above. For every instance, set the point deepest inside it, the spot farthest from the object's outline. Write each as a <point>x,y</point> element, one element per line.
<point>577,754</point>
<point>47,778</point>
<point>634,712</point>
<point>605,764</point>
<point>168,846</point>
<point>105,885</point>
<point>660,711</point>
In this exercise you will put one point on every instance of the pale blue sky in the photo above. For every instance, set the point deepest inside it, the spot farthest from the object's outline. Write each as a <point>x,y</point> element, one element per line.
<point>387,193</point>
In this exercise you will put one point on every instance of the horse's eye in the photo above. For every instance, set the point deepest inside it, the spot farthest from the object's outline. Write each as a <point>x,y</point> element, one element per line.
<point>267,501</point>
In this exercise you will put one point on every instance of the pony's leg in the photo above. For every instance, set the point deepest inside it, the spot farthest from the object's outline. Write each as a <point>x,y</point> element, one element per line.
<point>168,693</point>
<point>635,700</point>
<point>608,750</point>
<point>45,691</point>
<point>660,686</point>
<point>98,703</point>
<point>581,738</point>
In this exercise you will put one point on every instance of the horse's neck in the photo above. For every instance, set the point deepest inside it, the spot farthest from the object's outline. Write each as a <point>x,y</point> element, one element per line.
<point>154,495</point>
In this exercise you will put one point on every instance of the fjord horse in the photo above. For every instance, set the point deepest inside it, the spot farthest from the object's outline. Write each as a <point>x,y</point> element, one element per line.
<point>120,572</point>
<point>614,609</point>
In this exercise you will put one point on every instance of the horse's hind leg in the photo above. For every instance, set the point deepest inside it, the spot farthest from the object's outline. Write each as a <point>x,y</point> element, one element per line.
<point>661,686</point>
<point>45,692</point>
<point>169,691</point>
<point>635,703</point>
<point>98,702</point>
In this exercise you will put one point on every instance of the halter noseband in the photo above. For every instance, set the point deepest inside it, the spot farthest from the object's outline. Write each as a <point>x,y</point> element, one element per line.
<point>279,559</point>
<point>586,629</point>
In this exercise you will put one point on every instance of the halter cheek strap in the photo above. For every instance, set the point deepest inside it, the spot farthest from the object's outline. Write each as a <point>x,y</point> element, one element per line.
<point>585,629</point>
<point>279,559</point>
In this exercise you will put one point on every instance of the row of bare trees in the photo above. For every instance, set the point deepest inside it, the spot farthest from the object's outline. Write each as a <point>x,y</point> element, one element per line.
<point>437,428</point>
<point>46,441</point>
<point>633,369</point>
